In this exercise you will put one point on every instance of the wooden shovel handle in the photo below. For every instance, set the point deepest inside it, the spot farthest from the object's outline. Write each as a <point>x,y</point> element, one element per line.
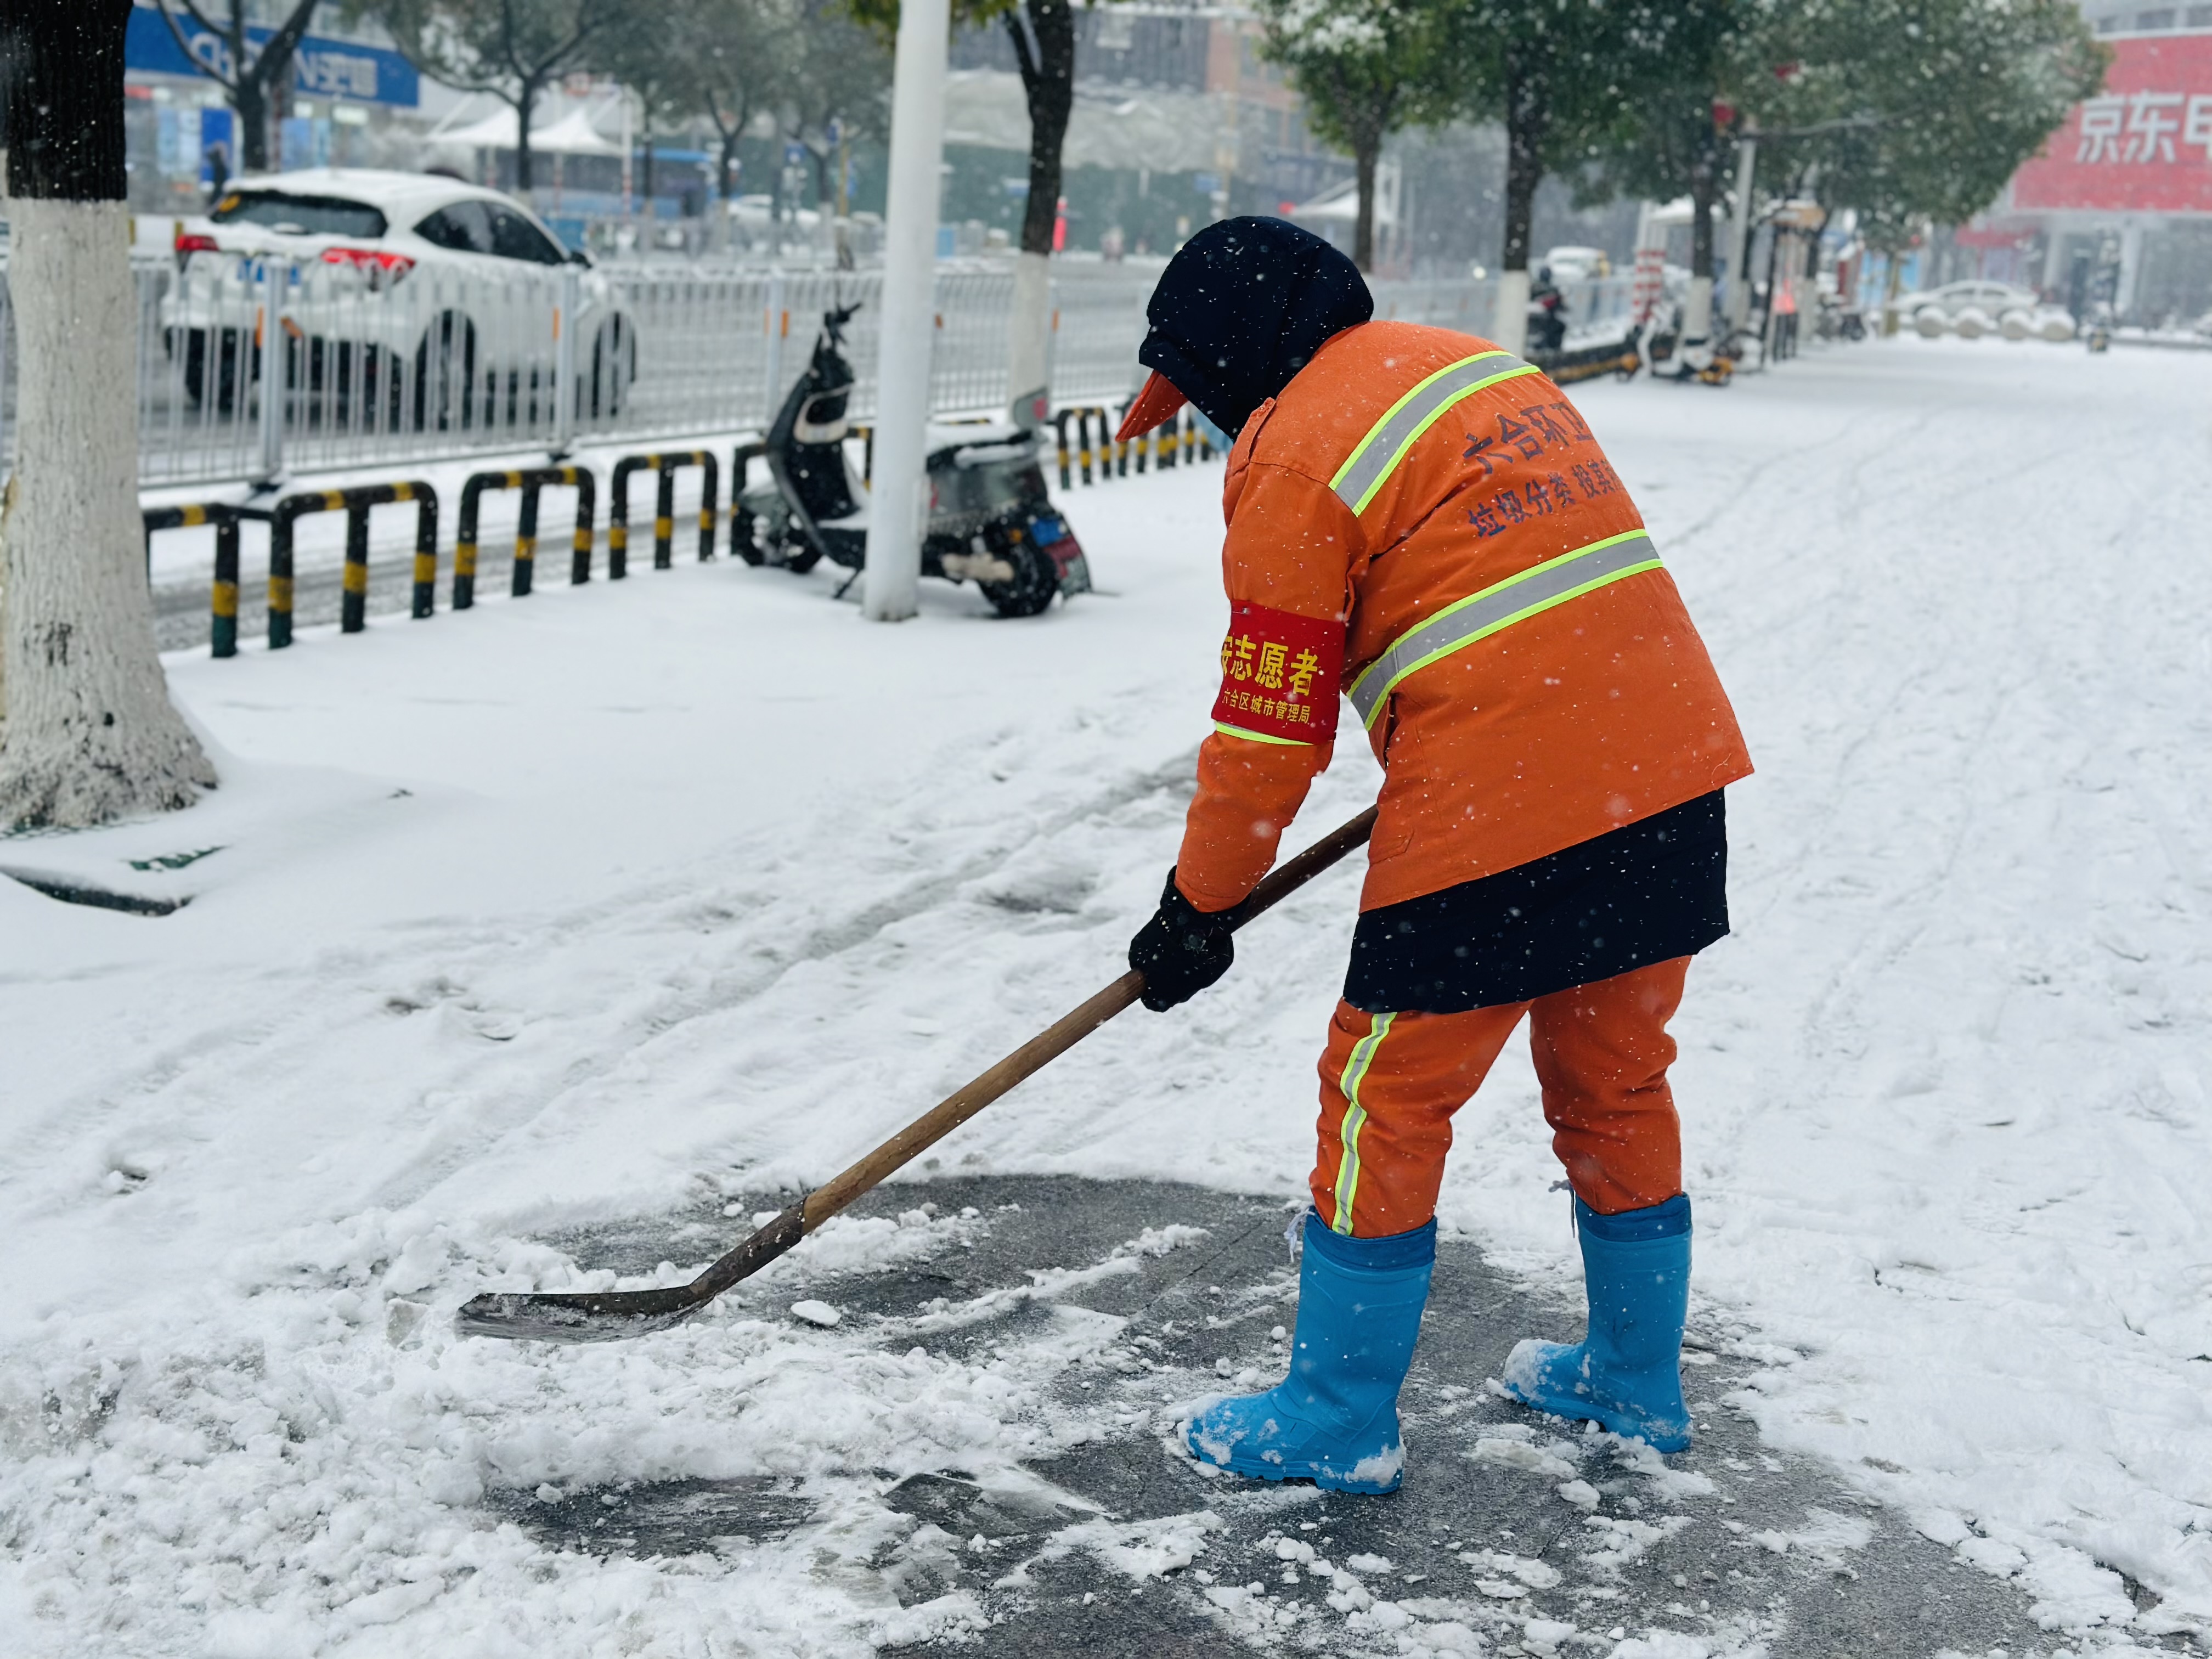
<point>1056,1039</point>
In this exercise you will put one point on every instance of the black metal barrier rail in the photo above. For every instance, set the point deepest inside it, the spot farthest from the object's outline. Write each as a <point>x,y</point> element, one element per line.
<point>664,514</point>
<point>1179,440</point>
<point>1098,457</point>
<point>222,623</point>
<point>529,481</point>
<point>354,503</point>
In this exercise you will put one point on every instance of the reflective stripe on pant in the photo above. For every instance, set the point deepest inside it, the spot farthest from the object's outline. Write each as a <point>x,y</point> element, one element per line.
<point>1391,1082</point>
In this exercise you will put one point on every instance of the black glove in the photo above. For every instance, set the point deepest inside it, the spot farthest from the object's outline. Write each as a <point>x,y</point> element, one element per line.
<point>1181,950</point>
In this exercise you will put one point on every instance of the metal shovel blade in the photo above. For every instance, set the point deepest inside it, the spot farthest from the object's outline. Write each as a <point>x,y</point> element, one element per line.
<point>611,1316</point>
<point>576,1316</point>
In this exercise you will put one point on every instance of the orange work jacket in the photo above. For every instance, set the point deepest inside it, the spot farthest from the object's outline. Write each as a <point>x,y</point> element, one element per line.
<point>1426,521</point>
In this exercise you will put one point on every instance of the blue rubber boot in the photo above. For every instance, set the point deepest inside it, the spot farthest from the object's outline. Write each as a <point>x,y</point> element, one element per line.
<point>1626,1375</point>
<point>1334,1419</point>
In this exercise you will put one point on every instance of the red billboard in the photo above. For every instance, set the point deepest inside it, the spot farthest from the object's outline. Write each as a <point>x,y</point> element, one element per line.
<point>2144,145</point>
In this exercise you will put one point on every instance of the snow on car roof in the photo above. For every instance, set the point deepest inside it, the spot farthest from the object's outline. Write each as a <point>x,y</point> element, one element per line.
<point>399,193</point>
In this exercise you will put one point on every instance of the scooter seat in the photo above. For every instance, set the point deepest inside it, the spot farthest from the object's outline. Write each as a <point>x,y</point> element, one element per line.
<point>951,434</point>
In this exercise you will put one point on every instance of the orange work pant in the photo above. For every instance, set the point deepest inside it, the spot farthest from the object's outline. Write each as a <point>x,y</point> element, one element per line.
<point>1390,1082</point>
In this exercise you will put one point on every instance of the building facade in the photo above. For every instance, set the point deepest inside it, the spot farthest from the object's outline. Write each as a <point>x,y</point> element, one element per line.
<point>2117,210</point>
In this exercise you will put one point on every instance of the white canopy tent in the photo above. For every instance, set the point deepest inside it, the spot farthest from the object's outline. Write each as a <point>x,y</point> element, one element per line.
<point>572,135</point>
<point>1339,204</point>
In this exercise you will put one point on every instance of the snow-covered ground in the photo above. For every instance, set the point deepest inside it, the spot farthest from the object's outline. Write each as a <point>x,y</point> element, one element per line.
<point>605,902</point>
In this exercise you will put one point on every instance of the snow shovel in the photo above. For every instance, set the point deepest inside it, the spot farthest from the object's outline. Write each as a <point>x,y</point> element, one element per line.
<point>606,1316</point>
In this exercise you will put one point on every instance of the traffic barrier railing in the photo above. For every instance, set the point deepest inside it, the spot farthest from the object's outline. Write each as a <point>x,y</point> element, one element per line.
<point>529,481</point>
<point>1177,441</point>
<point>664,514</point>
<point>222,623</point>
<point>353,601</point>
<point>1081,415</point>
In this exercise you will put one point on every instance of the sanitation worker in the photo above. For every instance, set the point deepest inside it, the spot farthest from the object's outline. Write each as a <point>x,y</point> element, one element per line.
<point>1424,535</point>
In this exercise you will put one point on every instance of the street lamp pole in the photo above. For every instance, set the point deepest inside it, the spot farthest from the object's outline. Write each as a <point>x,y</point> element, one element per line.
<point>898,503</point>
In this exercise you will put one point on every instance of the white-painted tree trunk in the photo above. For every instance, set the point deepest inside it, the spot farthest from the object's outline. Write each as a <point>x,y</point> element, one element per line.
<point>89,734</point>
<point>1738,283</point>
<point>1697,312</point>
<point>1029,338</point>
<point>1510,328</point>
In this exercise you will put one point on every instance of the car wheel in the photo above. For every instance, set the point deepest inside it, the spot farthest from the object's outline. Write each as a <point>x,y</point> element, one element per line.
<point>445,375</point>
<point>211,367</point>
<point>614,367</point>
<point>381,385</point>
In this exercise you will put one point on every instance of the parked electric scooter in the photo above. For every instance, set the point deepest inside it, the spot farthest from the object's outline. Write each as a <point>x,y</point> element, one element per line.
<point>991,521</point>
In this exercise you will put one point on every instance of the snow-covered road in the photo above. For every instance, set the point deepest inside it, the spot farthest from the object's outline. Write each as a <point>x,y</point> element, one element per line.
<point>589,905</point>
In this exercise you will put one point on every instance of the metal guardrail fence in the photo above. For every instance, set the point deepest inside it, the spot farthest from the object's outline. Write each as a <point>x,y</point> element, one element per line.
<point>253,368</point>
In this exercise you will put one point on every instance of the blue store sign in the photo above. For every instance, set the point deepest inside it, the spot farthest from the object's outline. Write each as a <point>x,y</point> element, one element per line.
<point>320,68</point>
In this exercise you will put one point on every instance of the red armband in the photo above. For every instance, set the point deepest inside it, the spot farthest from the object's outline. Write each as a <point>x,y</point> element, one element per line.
<point>1279,674</point>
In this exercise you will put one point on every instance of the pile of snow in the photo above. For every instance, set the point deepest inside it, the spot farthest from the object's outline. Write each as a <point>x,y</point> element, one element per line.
<point>625,899</point>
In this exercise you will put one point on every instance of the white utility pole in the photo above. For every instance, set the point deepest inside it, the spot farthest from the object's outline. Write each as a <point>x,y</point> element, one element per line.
<point>898,503</point>
<point>1738,290</point>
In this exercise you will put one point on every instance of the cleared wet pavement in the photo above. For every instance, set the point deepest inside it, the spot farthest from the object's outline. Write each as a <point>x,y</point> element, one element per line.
<point>1513,1534</point>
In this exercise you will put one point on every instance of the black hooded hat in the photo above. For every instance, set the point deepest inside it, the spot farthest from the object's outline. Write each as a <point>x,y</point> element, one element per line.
<point>1241,307</point>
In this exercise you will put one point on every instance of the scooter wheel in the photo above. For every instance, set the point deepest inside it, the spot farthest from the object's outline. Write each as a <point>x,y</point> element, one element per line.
<point>1031,589</point>
<point>796,554</point>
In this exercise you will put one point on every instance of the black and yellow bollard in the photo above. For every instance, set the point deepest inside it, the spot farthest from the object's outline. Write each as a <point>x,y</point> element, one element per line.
<point>288,512</point>
<point>664,521</point>
<point>742,540</point>
<point>619,513</point>
<point>529,481</point>
<point>222,630</point>
<point>353,601</point>
<point>580,479</point>
<point>426,547</point>
<point>525,569</point>
<point>223,622</point>
<point>353,597</point>
<point>1059,426</point>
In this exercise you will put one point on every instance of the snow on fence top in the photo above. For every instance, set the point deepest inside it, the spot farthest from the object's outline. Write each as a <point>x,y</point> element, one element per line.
<point>437,363</point>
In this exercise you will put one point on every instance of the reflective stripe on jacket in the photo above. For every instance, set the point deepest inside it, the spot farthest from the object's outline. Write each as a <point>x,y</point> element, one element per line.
<point>1522,662</point>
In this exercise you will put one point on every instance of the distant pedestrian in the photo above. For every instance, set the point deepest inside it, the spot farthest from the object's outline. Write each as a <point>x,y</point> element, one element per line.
<point>1786,318</point>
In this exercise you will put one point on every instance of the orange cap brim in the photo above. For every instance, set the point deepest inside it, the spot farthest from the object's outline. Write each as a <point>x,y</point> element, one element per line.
<point>1157,402</point>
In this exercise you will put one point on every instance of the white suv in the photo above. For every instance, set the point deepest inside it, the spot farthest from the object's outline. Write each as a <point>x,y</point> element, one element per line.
<point>411,297</point>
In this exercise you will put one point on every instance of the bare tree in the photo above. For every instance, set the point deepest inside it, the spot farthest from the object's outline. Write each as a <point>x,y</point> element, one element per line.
<point>838,81</point>
<point>89,734</point>
<point>726,60</point>
<point>253,81</point>
<point>512,49</point>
